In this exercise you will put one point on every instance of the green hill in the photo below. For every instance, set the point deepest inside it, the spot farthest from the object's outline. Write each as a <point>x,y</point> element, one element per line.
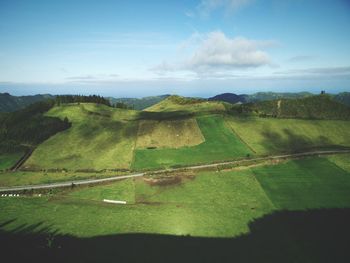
<point>139,104</point>
<point>313,107</point>
<point>186,104</point>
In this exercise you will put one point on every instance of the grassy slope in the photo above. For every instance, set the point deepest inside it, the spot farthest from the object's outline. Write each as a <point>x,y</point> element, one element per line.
<point>220,144</point>
<point>9,159</point>
<point>269,135</point>
<point>313,107</point>
<point>100,138</point>
<point>169,134</point>
<point>220,205</point>
<point>342,161</point>
<point>176,103</point>
<point>305,184</point>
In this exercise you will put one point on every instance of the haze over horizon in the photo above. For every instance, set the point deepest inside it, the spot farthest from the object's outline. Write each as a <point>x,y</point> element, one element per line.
<point>191,48</point>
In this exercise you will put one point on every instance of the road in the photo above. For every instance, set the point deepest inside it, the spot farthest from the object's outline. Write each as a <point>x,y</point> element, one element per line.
<point>203,166</point>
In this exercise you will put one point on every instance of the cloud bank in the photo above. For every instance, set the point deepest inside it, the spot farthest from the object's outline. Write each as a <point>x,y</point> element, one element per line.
<point>215,52</point>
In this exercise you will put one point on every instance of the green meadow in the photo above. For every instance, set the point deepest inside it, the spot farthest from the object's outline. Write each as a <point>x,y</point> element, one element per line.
<point>215,204</point>
<point>272,135</point>
<point>220,144</point>
<point>100,138</point>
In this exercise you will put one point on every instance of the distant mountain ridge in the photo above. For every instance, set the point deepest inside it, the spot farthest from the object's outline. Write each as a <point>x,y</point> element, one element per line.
<point>313,107</point>
<point>230,98</point>
<point>9,103</point>
<point>259,96</point>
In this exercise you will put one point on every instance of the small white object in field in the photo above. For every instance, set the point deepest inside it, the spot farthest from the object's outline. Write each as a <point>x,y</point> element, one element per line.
<point>10,195</point>
<point>39,195</point>
<point>114,201</point>
<point>5,195</point>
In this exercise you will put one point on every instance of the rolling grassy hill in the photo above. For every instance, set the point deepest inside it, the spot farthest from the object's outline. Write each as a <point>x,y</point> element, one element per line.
<point>182,104</point>
<point>100,138</point>
<point>313,107</point>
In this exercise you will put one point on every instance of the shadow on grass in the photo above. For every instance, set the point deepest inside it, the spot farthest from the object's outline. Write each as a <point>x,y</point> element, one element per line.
<point>303,236</point>
<point>293,142</point>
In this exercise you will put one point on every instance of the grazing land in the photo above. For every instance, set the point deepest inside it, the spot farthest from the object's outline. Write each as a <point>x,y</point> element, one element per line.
<point>100,138</point>
<point>7,160</point>
<point>169,134</point>
<point>305,184</point>
<point>215,204</point>
<point>271,135</point>
<point>220,144</point>
<point>179,207</point>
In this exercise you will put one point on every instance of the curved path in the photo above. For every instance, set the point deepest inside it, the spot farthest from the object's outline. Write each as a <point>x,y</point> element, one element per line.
<point>115,178</point>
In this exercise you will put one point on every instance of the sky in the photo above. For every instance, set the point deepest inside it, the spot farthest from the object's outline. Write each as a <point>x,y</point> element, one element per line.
<point>188,47</point>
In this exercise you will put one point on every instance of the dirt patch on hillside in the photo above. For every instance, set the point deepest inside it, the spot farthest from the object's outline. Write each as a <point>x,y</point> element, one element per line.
<point>169,179</point>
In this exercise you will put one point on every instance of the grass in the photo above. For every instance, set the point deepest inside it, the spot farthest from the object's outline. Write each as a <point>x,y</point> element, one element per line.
<point>305,184</point>
<point>341,160</point>
<point>220,144</point>
<point>168,134</point>
<point>181,104</point>
<point>7,160</point>
<point>100,138</point>
<point>186,208</point>
<point>210,204</point>
<point>270,136</point>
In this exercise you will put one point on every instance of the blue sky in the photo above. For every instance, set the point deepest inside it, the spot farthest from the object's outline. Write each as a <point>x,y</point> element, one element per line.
<point>193,48</point>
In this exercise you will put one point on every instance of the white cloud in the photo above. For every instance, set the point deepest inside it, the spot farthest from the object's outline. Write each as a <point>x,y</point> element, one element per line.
<point>205,7</point>
<point>215,52</point>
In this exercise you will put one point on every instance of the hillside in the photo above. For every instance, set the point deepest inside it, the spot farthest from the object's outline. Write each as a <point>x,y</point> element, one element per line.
<point>229,97</point>
<point>263,96</point>
<point>139,104</point>
<point>313,107</point>
<point>343,97</point>
<point>186,104</point>
<point>9,103</point>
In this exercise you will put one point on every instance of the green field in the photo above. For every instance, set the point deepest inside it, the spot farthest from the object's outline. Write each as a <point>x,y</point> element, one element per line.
<point>187,207</point>
<point>215,204</point>
<point>7,160</point>
<point>305,184</point>
<point>100,138</point>
<point>341,160</point>
<point>271,135</point>
<point>220,144</point>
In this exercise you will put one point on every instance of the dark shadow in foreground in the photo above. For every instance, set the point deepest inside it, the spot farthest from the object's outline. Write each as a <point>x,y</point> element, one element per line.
<point>304,236</point>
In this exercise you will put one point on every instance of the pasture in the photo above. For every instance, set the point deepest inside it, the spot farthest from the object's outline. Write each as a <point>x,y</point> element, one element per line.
<point>220,144</point>
<point>210,204</point>
<point>168,134</point>
<point>186,206</point>
<point>305,184</point>
<point>100,138</point>
<point>271,136</point>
